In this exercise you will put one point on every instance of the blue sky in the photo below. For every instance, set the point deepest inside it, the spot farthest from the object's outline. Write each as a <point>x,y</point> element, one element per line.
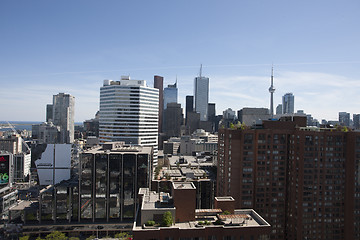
<point>47,47</point>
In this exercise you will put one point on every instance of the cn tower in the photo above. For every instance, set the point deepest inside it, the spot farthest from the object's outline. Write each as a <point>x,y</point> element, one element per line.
<point>271,91</point>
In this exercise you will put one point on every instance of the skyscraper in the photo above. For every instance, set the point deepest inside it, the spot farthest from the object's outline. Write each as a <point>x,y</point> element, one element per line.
<point>49,112</point>
<point>356,120</point>
<point>129,113</point>
<point>170,94</point>
<point>159,84</point>
<point>279,109</point>
<point>173,119</point>
<point>344,119</point>
<point>63,116</point>
<point>211,111</point>
<point>201,93</point>
<point>288,103</point>
<point>189,106</point>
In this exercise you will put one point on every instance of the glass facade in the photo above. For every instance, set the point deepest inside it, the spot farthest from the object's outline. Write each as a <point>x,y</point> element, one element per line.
<point>47,204</point>
<point>106,191</point>
<point>86,186</point>
<point>115,177</point>
<point>114,185</point>
<point>170,95</point>
<point>129,185</point>
<point>62,200</point>
<point>101,163</point>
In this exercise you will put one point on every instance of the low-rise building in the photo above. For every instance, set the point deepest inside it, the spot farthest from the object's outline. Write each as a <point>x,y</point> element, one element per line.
<point>223,222</point>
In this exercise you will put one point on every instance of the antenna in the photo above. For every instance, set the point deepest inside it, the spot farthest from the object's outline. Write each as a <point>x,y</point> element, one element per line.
<point>200,70</point>
<point>271,91</point>
<point>272,75</point>
<point>22,140</point>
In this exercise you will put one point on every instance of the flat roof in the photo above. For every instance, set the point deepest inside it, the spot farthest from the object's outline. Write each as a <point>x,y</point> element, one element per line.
<point>189,160</point>
<point>240,219</point>
<point>21,205</point>
<point>121,150</point>
<point>226,198</point>
<point>154,200</point>
<point>183,185</point>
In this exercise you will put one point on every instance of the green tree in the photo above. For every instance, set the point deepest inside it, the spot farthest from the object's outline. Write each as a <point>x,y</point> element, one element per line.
<point>226,212</point>
<point>74,238</point>
<point>123,236</point>
<point>39,238</point>
<point>167,176</point>
<point>157,171</point>
<point>167,219</point>
<point>91,237</point>
<point>150,223</point>
<point>56,236</point>
<point>26,237</point>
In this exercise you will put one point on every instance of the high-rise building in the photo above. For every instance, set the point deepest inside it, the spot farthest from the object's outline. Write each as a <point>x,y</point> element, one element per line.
<point>250,116</point>
<point>279,109</point>
<point>344,119</point>
<point>173,119</point>
<point>201,93</point>
<point>288,103</point>
<point>189,106</point>
<point>49,112</point>
<point>229,114</point>
<point>300,179</point>
<point>129,113</point>
<point>159,84</point>
<point>63,116</point>
<point>356,120</point>
<point>170,94</point>
<point>211,111</point>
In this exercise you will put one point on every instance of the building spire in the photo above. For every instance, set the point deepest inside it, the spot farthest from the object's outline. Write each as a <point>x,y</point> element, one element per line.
<point>200,70</point>
<point>272,90</point>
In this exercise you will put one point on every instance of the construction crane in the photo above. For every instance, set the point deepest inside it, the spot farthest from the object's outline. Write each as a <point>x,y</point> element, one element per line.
<point>26,145</point>
<point>22,140</point>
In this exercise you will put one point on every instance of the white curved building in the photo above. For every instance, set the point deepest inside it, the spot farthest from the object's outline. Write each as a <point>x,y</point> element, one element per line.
<point>129,113</point>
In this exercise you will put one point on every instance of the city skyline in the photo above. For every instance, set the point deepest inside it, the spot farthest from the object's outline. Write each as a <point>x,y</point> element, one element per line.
<point>69,47</point>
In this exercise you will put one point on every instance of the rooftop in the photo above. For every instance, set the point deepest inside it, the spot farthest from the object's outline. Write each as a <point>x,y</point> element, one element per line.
<point>183,185</point>
<point>227,198</point>
<point>153,200</point>
<point>190,160</point>
<point>119,148</point>
<point>157,203</point>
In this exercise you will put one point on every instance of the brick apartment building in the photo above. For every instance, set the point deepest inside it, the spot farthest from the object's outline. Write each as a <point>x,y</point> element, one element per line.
<point>304,181</point>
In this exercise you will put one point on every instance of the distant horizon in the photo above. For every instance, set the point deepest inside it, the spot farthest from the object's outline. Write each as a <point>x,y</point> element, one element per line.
<point>72,46</point>
<point>28,122</point>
